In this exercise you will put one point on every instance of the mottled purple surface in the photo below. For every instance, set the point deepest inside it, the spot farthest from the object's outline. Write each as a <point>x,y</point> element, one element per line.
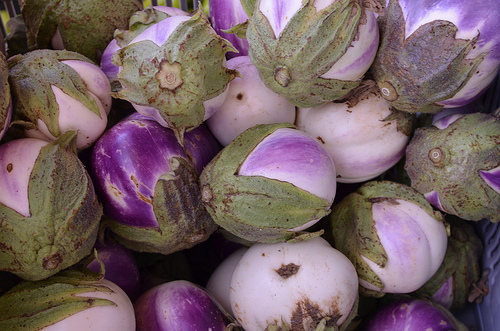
<point>120,268</point>
<point>126,162</point>
<point>178,305</point>
<point>409,314</point>
<point>492,178</point>
<point>225,14</point>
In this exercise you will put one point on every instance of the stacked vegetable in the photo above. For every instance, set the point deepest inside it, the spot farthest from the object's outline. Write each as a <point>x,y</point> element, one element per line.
<point>275,165</point>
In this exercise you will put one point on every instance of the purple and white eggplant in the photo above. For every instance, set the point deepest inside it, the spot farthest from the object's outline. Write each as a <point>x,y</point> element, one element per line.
<point>304,285</point>
<point>149,186</point>
<point>71,300</point>
<point>312,52</point>
<point>224,15</point>
<point>59,91</point>
<point>139,25</point>
<point>455,164</point>
<point>249,102</point>
<point>179,305</point>
<point>364,135</point>
<point>393,236</point>
<point>409,313</point>
<point>180,87</point>
<point>49,210</point>
<point>271,182</point>
<point>436,54</point>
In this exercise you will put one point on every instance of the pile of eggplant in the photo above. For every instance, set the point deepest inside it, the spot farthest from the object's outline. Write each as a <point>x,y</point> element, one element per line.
<point>247,165</point>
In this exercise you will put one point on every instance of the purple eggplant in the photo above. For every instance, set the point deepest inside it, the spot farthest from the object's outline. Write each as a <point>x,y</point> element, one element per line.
<point>120,267</point>
<point>149,186</point>
<point>179,305</point>
<point>413,314</point>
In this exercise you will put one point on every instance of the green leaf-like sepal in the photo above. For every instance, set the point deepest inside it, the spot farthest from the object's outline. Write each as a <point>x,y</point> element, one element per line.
<point>429,66</point>
<point>33,305</point>
<point>461,263</point>
<point>178,76</point>
<point>85,27</point>
<point>5,98</point>
<point>311,43</point>
<point>448,161</point>
<point>353,228</point>
<point>255,208</point>
<point>64,220</point>
<point>182,219</point>
<point>31,76</point>
<point>139,21</point>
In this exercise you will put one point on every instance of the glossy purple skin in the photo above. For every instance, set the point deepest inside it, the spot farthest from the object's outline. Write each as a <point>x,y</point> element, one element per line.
<point>223,15</point>
<point>409,314</point>
<point>178,305</point>
<point>120,268</point>
<point>125,164</point>
<point>201,146</point>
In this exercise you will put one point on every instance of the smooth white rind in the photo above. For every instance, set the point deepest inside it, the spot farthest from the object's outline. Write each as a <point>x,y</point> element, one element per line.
<point>260,296</point>
<point>248,102</point>
<point>19,156</point>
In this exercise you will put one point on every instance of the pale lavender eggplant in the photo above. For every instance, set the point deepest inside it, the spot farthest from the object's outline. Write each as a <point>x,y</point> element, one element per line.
<point>126,163</point>
<point>472,18</point>
<point>225,14</point>
<point>120,267</point>
<point>412,314</point>
<point>107,66</point>
<point>179,305</point>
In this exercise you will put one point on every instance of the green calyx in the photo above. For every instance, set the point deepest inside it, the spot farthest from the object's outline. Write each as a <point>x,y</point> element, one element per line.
<point>255,208</point>
<point>182,219</point>
<point>31,76</point>
<point>429,66</point>
<point>311,43</point>
<point>5,97</point>
<point>307,317</point>
<point>64,220</point>
<point>448,161</point>
<point>33,305</point>
<point>86,27</point>
<point>178,76</point>
<point>461,263</point>
<point>353,228</point>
